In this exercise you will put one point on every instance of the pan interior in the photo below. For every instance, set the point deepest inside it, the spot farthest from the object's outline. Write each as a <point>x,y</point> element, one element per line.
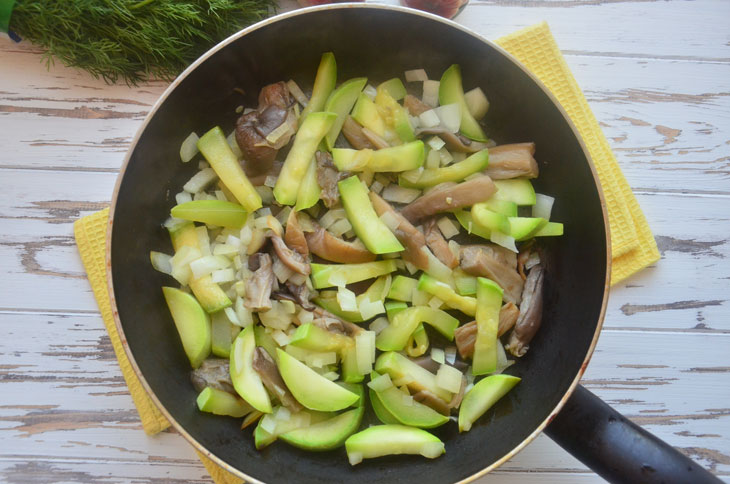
<point>379,44</point>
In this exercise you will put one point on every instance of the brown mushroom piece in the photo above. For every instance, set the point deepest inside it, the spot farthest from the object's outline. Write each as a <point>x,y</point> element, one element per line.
<point>466,335</point>
<point>328,321</point>
<point>406,233</point>
<point>327,177</point>
<point>335,249</point>
<point>252,128</point>
<point>374,139</point>
<point>450,196</point>
<point>512,161</point>
<point>530,313</point>
<point>454,141</point>
<point>438,245</point>
<point>213,372</point>
<point>427,398</point>
<point>496,263</point>
<point>415,106</point>
<point>258,286</point>
<point>296,293</point>
<point>266,367</point>
<point>294,235</point>
<point>354,134</point>
<point>290,258</point>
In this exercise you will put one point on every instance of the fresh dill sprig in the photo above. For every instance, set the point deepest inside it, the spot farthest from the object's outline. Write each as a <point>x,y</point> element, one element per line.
<point>132,40</point>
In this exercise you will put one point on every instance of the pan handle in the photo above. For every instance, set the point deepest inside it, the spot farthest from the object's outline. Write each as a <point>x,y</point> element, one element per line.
<point>617,449</point>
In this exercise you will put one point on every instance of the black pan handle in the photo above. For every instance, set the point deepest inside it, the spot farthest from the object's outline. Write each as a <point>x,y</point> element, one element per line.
<point>617,449</point>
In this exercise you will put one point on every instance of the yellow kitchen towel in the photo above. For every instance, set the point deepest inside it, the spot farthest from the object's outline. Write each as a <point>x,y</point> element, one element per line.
<point>633,244</point>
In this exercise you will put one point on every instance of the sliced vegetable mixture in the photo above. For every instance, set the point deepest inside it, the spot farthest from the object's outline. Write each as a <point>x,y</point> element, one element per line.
<point>394,244</point>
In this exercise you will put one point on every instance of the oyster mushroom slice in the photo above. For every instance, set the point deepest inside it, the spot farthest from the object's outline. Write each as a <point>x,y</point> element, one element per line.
<point>449,197</point>
<point>335,249</point>
<point>265,366</point>
<point>512,161</point>
<point>496,263</point>
<point>530,313</point>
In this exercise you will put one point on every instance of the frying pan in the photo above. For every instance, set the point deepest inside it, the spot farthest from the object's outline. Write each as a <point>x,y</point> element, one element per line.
<point>381,42</point>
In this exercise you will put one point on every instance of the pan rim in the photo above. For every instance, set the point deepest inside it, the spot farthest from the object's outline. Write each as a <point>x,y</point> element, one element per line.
<point>340,6</point>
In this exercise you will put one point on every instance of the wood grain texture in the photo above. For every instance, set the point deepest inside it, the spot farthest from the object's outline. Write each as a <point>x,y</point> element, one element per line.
<point>659,90</point>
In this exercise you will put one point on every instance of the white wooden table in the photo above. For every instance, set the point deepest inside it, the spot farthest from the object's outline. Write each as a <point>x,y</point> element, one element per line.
<point>657,76</point>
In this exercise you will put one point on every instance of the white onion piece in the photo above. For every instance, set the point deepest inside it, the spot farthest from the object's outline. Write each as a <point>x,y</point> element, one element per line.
<point>220,195</point>
<point>502,362</point>
<point>202,165</point>
<point>189,147</point>
<point>331,375</point>
<point>337,279</point>
<point>450,116</point>
<point>445,156</point>
<point>450,354</point>
<point>180,263</point>
<point>390,220</point>
<point>266,194</point>
<point>340,227</point>
<point>412,176</point>
<point>245,316</point>
<point>232,316</point>
<point>433,159</point>
<point>283,414</point>
<point>173,223</point>
<point>281,338</point>
<point>270,181</point>
<point>231,138</point>
<point>161,262</point>
<point>200,180</point>
<point>223,275</point>
<point>365,351</point>
<point>429,119</point>
<point>437,355</point>
<point>447,227</point>
<point>183,197</point>
<point>407,400</point>
<point>476,102</point>
<point>370,91</point>
<point>449,378</point>
<point>354,457</point>
<point>298,279</point>
<point>399,194</point>
<point>506,241</point>
<point>415,122</point>
<point>412,269</point>
<point>381,383</point>
<point>268,423</point>
<point>543,206</point>
<point>233,241</point>
<point>346,299</point>
<point>435,143</point>
<point>416,75</point>
<point>376,186</point>
<point>368,308</point>
<point>224,249</point>
<point>331,217</point>
<point>379,324</point>
<point>435,302</point>
<point>455,248</point>
<point>438,269</point>
<point>297,93</point>
<point>431,93</point>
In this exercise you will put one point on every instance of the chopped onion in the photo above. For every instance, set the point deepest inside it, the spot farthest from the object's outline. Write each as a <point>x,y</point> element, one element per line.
<point>399,194</point>
<point>381,383</point>
<point>331,217</point>
<point>403,381</point>
<point>376,186</point>
<point>450,354</point>
<point>407,400</point>
<point>476,102</point>
<point>450,116</point>
<point>415,75</point>
<point>173,223</point>
<point>449,378</point>
<point>281,338</point>
<point>297,93</point>
<point>161,262</point>
<point>180,263</point>
<point>506,241</point>
<point>455,248</point>
<point>368,308</point>
<point>431,93</point>
<point>288,306</point>
<point>438,269</point>
<point>224,249</point>
<point>435,302</point>
<point>276,317</point>
<point>189,147</point>
<point>268,424</point>
<point>223,275</point>
<point>281,271</point>
<point>231,138</point>
<point>200,180</point>
<point>432,450</point>
<point>305,316</point>
<point>429,119</point>
<point>445,156</point>
<point>245,316</point>
<point>447,227</point>
<point>331,375</point>
<point>202,165</point>
<point>379,324</point>
<point>299,353</point>
<point>183,197</point>
<point>220,195</point>
<point>415,122</point>
<point>412,176</point>
<point>390,220</point>
<point>232,316</point>
<point>437,355</point>
<point>320,360</point>
<point>543,206</point>
<point>270,181</point>
<point>365,351</point>
<point>298,279</point>
<point>340,227</point>
<point>433,159</point>
<point>284,129</point>
<point>266,194</point>
<point>502,362</point>
<point>412,269</point>
<point>233,241</point>
<point>346,299</point>
<point>282,414</point>
<point>370,91</point>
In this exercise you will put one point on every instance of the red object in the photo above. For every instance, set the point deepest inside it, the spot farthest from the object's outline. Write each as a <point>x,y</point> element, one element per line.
<point>445,8</point>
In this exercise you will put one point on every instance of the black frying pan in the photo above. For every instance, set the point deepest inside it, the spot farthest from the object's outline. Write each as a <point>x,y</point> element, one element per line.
<point>382,42</point>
